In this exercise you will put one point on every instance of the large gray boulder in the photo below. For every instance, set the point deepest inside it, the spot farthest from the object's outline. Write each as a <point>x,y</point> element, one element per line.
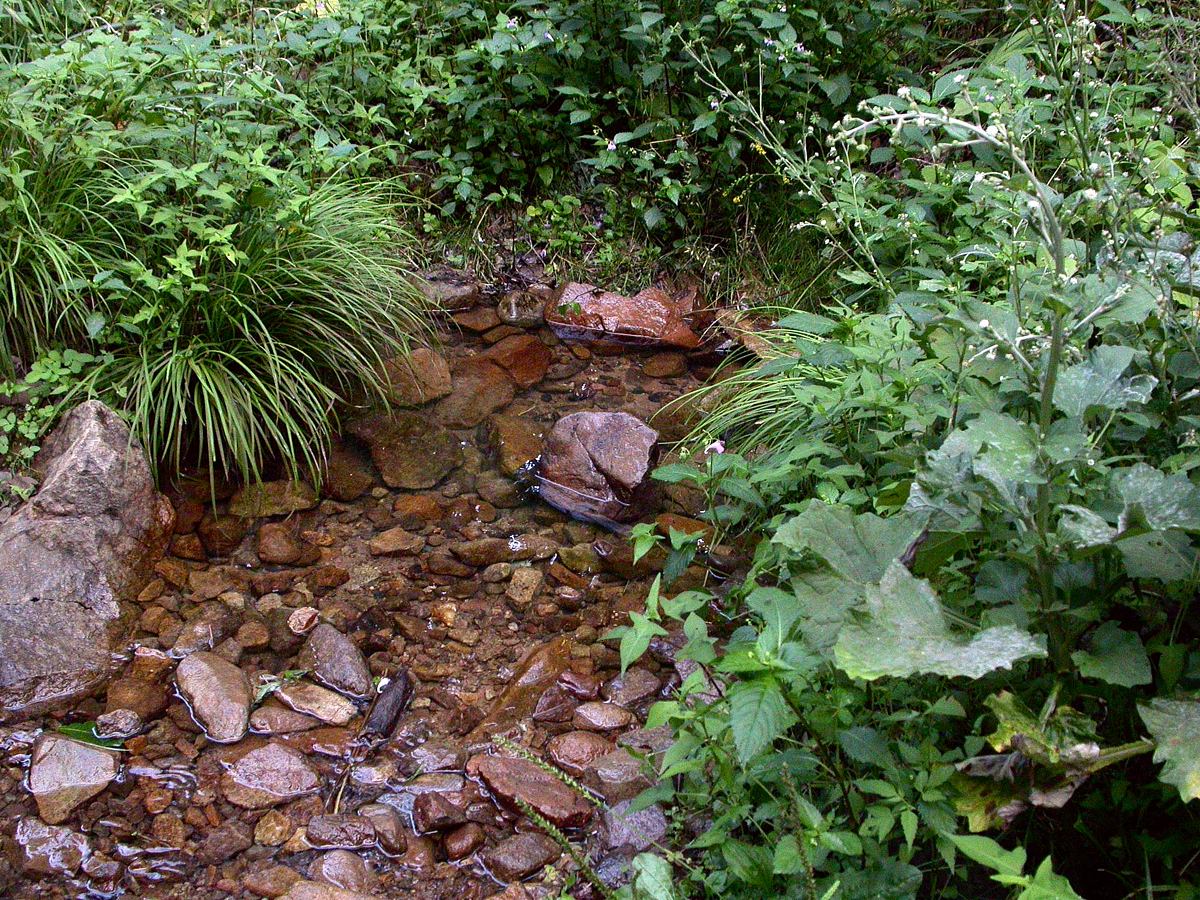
<point>86,542</point>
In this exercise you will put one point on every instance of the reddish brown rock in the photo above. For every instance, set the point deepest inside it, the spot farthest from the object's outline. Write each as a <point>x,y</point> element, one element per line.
<point>510,779</point>
<point>480,388</point>
<point>396,542</point>
<point>49,849</point>
<point>221,534</point>
<point>583,312</point>
<point>278,544</point>
<point>348,474</point>
<point>514,442</point>
<point>416,379</point>
<point>523,357</point>
<point>665,365</point>
<point>218,694</point>
<point>480,319</point>
<point>268,776</point>
<point>462,842</point>
<point>448,289</point>
<point>521,855</point>
<point>340,831</point>
<point>573,751</point>
<point>188,546</point>
<point>409,451</point>
<point>595,466</point>
<point>64,773</point>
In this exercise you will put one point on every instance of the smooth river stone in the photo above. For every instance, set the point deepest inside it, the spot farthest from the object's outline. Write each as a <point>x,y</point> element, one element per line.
<point>218,693</point>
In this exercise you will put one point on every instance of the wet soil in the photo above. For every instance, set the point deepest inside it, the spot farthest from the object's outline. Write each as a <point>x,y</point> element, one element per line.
<point>493,656</point>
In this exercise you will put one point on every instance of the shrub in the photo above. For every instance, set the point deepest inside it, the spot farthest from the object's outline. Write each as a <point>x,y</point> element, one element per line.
<point>1004,648</point>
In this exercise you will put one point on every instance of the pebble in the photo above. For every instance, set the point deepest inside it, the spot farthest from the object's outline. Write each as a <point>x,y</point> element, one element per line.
<point>396,542</point>
<point>268,776</point>
<point>573,751</point>
<point>510,779</point>
<point>64,773</point>
<point>320,703</point>
<point>633,688</point>
<point>218,694</point>
<point>345,870</point>
<point>623,830</point>
<point>334,660</point>
<point>617,776</point>
<point>601,716</point>
<point>389,827</point>
<point>463,841</point>
<point>49,849</point>
<point>520,855</point>
<point>340,831</point>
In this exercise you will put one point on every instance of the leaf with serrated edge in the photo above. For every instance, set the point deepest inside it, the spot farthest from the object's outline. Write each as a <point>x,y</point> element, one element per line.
<point>858,547</point>
<point>1175,727</point>
<point>905,632</point>
<point>758,713</point>
<point>1097,382</point>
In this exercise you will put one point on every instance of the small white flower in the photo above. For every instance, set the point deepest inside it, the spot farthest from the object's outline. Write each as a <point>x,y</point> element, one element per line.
<point>984,323</point>
<point>1090,194</point>
<point>904,91</point>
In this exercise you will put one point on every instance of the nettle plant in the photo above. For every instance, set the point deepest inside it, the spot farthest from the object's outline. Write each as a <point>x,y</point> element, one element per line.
<point>1019,623</point>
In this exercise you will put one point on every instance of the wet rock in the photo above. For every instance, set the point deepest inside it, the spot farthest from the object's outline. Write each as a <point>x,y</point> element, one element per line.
<point>514,442</point>
<point>274,829</point>
<point>272,498</point>
<point>88,540</point>
<point>227,840</point>
<point>632,689</point>
<point>463,841</point>
<point>581,559</point>
<point>596,466</point>
<point>268,776</point>
<point>119,724</point>
<point>409,451</point>
<point>389,827</point>
<point>416,379</point>
<point>555,705</point>
<point>437,756</point>
<point>616,776</point>
<point>218,694</point>
<point>480,388</point>
<point>536,671</point>
<point>396,542</point>
<point>147,699</point>
<point>523,586</point>
<point>520,855</point>
<point>204,629</point>
<point>510,779</point>
<point>49,849</point>
<point>583,312</point>
<point>447,289</point>
<point>271,882</point>
<point>335,661</point>
<point>318,702</point>
<point>391,702</point>
<point>345,870</point>
<point>573,751</point>
<point>665,365</point>
<point>64,773</point>
<point>188,546</point>
<point>478,320</point>
<point>340,831</point>
<point>347,474</point>
<point>278,544</point>
<point>486,551</point>
<point>221,534</point>
<point>496,573</point>
<point>523,357</point>
<point>497,490</point>
<point>524,309</point>
<point>313,890</point>
<point>622,830</point>
<point>433,812</point>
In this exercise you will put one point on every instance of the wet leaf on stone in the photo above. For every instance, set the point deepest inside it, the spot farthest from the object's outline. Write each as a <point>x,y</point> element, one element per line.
<point>85,733</point>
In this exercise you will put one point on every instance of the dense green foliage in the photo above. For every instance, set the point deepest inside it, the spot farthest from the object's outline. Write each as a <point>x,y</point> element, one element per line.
<point>970,604</point>
<point>962,450</point>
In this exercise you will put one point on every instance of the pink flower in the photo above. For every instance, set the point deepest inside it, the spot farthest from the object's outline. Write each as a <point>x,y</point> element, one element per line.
<point>717,446</point>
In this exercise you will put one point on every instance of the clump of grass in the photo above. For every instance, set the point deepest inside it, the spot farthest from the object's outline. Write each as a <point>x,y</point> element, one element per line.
<point>292,324</point>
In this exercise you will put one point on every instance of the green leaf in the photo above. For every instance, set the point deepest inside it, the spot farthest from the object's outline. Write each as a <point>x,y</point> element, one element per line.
<point>1097,382</point>
<point>1166,555</point>
<point>1012,448</point>
<point>1115,656</point>
<point>825,603</point>
<point>1175,727</point>
<point>1157,501</point>
<point>758,713</point>
<point>652,877</point>
<point>987,852</point>
<point>864,745</point>
<point>85,733</point>
<point>905,632</point>
<point>858,547</point>
<point>788,859</point>
<point>779,611</point>
<point>1046,885</point>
